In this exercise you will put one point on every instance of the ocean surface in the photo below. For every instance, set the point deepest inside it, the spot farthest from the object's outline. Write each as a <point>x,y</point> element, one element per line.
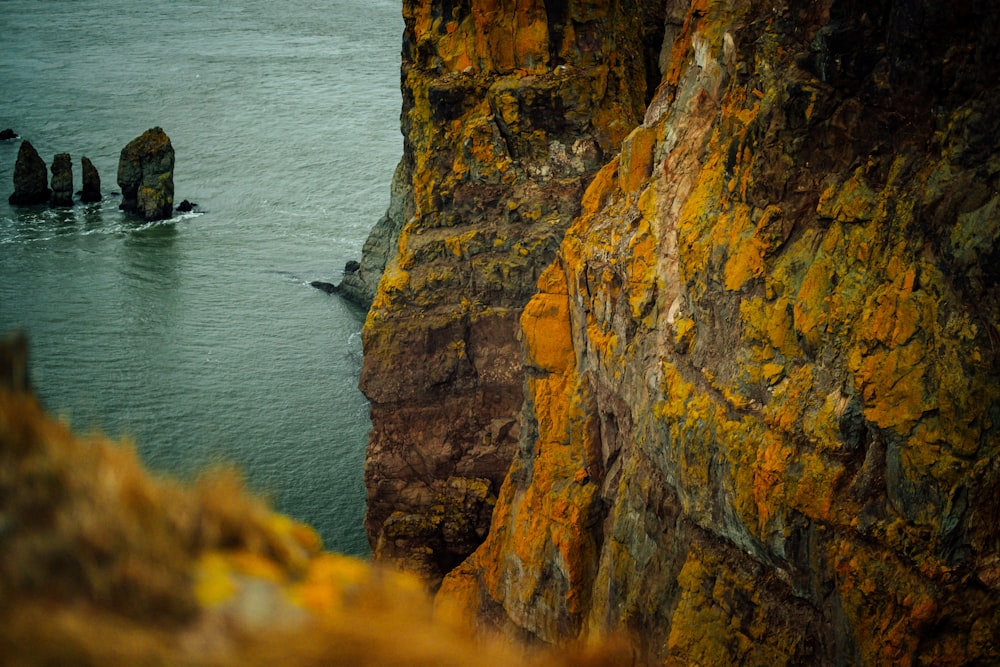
<point>199,337</point>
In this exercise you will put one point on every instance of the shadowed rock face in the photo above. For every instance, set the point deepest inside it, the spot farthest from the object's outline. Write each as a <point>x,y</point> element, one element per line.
<point>146,175</point>
<point>31,179</point>
<point>506,118</point>
<point>62,180</point>
<point>762,415</point>
<point>91,191</point>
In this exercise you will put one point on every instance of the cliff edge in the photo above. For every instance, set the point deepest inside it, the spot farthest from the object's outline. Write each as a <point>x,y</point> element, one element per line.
<point>507,115</point>
<point>760,377</point>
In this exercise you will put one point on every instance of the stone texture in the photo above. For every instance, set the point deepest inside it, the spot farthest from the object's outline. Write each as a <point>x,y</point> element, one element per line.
<point>762,397</point>
<point>31,178</point>
<point>62,180</point>
<point>146,175</point>
<point>91,190</point>
<point>506,117</point>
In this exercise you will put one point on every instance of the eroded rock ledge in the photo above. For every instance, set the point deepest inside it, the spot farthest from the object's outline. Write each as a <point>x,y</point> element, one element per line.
<point>761,375</point>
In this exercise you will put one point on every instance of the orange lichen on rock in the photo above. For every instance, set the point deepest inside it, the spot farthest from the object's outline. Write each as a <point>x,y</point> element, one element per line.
<point>784,384</point>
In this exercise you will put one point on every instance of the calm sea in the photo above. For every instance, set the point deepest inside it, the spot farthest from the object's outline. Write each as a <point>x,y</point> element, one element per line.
<point>199,337</point>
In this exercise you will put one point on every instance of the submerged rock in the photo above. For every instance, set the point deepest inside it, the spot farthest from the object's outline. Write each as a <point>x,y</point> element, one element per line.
<point>146,175</point>
<point>91,191</point>
<point>31,179</point>
<point>62,180</point>
<point>329,288</point>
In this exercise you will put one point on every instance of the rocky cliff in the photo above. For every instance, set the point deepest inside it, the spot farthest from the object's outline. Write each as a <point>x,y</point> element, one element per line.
<point>761,405</point>
<point>507,115</point>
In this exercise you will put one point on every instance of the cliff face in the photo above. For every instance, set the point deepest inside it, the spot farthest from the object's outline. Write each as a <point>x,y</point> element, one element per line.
<point>507,114</point>
<point>762,399</point>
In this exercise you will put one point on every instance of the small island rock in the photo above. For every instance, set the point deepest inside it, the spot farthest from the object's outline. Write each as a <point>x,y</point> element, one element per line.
<point>62,180</point>
<point>91,191</point>
<point>146,175</point>
<point>7,134</point>
<point>31,182</point>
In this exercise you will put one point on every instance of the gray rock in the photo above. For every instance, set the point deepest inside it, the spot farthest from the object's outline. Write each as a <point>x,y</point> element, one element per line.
<point>361,281</point>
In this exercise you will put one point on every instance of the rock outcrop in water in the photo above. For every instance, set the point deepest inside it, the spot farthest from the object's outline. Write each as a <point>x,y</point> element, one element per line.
<point>146,175</point>
<point>62,180</point>
<point>762,419</point>
<point>31,178</point>
<point>91,190</point>
<point>507,116</point>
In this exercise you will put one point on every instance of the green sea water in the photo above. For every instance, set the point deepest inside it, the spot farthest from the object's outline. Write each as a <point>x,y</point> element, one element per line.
<point>199,337</point>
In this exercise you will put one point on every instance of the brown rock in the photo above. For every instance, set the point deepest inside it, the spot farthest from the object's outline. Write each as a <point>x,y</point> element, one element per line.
<point>146,175</point>
<point>91,191</point>
<point>506,117</point>
<point>31,179</point>
<point>761,375</point>
<point>62,180</point>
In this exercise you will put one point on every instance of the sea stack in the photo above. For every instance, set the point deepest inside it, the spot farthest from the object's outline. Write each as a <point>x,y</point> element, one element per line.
<point>62,180</point>
<point>31,183</point>
<point>146,175</point>
<point>91,191</point>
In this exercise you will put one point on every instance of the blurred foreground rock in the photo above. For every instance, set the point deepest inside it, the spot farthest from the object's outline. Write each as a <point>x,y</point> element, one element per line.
<point>103,564</point>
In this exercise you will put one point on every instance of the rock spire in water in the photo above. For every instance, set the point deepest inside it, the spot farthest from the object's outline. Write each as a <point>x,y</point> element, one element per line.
<point>146,175</point>
<point>91,191</point>
<point>62,180</point>
<point>31,178</point>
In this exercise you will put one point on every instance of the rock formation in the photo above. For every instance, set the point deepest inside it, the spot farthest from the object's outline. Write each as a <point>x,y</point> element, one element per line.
<point>7,134</point>
<point>91,191</point>
<point>31,178</point>
<point>360,284</point>
<point>62,180</point>
<point>762,376</point>
<point>506,118</point>
<point>146,175</point>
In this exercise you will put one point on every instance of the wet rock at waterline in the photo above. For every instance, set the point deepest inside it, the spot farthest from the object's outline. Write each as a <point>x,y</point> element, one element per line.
<point>31,182</point>
<point>62,180</point>
<point>7,134</point>
<point>146,175</point>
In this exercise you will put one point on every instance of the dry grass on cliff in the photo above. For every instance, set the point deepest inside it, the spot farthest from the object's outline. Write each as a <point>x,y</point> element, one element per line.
<point>103,564</point>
